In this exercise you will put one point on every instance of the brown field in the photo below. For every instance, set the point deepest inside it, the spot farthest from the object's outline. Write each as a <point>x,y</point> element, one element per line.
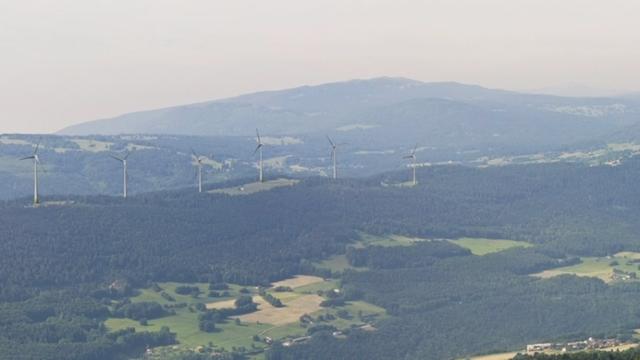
<point>298,281</point>
<point>291,313</point>
<point>501,356</point>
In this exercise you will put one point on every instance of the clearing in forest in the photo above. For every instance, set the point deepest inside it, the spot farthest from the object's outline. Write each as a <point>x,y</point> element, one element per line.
<point>298,281</point>
<point>622,266</point>
<point>481,246</point>
<point>255,187</point>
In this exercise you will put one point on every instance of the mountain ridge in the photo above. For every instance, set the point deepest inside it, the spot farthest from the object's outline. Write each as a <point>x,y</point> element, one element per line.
<point>317,108</point>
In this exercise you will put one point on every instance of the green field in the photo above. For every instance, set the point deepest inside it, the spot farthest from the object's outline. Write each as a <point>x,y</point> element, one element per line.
<point>481,246</point>
<point>477,246</point>
<point>314,288</point>
<point>599,267</point>
<point>386,240</point>
<point>185,325</point>
<point>170,287</point>
<point>339,263</point>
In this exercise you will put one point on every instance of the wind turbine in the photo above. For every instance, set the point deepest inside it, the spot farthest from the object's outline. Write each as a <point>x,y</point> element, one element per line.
<point>123,160</point>
<point>259,149</point>
<point>334,146</point>
<point>199,160</point>
<point>36,162</point>
<point>412,156</point>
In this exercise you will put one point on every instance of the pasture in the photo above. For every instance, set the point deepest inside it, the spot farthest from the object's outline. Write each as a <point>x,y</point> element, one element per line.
<point>599,267</point>
<point>481,246</point>
<point>590,267</point>
<point>337,263</point>
<point>185,325</point>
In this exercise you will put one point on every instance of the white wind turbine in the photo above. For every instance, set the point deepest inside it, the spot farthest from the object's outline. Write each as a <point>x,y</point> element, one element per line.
<point>36,162</point>
<point>259,149</point>
<point>123,160</point>
<point>412,156</point>
<point>199,160</point>
<point>334,146</point>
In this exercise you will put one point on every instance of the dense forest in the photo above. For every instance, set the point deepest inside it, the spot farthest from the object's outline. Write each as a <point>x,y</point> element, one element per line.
<point>443,302</point>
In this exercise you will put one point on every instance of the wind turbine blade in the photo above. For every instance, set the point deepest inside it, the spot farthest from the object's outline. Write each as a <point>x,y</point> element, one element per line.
<point>414,149</point>
<point>126,155</point>
<point>193,152</point>
<point>258,136</point>
<point>257,148</point>
<point>115,157</point>
<point>35,151</point>
<point>28,157</point>
<point>407,157</point>
<point>331,142</point>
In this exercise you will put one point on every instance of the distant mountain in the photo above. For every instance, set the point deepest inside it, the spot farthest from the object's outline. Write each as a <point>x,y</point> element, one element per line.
<point>577,90</point>
<point>439,114</point>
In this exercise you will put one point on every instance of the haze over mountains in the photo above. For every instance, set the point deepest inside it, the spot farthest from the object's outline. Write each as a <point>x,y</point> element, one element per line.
<point>395,110</point>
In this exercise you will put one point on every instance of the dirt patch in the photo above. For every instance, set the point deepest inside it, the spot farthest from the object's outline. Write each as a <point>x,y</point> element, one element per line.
<point>290,313</point>
<point>222,304</point>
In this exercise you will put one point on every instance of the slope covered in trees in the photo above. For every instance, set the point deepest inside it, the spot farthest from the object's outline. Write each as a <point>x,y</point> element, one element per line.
<point>440,305</point>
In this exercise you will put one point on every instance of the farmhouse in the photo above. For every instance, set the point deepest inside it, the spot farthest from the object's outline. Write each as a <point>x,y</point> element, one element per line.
<point>590,344</point>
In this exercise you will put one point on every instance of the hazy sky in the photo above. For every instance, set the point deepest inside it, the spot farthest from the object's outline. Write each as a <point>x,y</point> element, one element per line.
<point>67,61</point>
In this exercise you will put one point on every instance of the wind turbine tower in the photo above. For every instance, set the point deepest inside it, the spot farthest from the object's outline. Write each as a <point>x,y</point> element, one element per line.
<point>259,149</point>
<point>198,160</point>
<point>334,146</point>
<point>412,156</point>
<point>36,162</point>
<point>123,160</point>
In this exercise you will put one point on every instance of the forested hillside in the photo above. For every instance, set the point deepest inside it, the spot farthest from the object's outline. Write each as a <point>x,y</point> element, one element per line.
<point>442,304</point>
